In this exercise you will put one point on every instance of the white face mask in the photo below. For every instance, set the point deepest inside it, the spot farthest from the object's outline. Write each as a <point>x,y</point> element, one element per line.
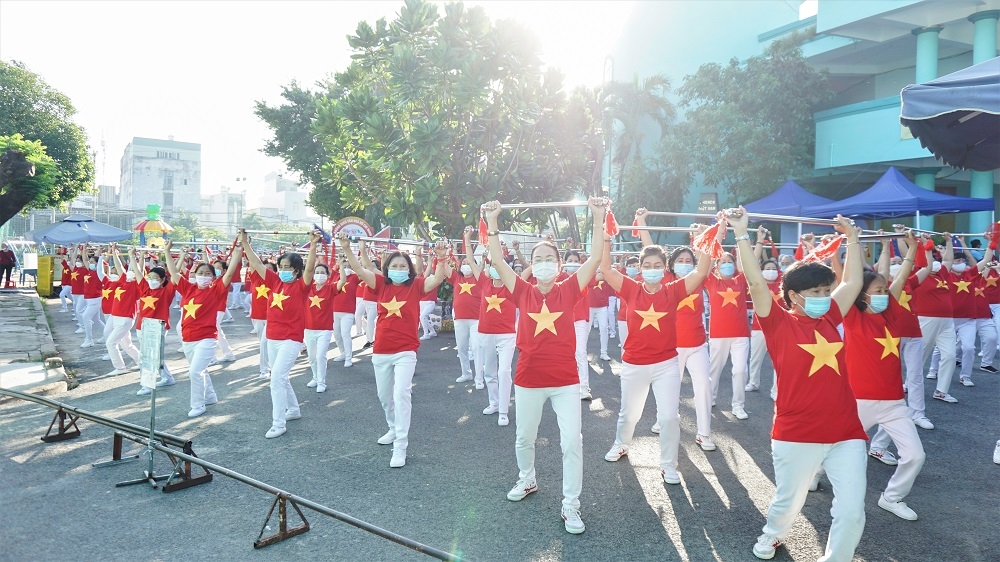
<point>348,271</point>
<point>935,267</point>
<point>79,264</point>
<point>466,270</point>
<point>203,280</point>
<point>130,276</point>
<point>114,277</point>
<point>958,267</point>
<point>770,274</point>
<point>894,269</point>
<point>153,283</point>
<point>321,278</point>
<point>545,271</point>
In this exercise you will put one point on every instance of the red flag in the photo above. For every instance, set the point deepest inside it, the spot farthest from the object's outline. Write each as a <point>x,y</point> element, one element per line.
<point>800,252</point>
<point>920,261</point>
<point>635,233</point>
<point>610,223</point>
<point>774,249</point>
<point>824,252</point>
<point>484,237</point>
<point>993,235</point>
<point>707,242</point>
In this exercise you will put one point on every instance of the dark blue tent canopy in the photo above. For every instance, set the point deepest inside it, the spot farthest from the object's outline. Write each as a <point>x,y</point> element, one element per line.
<point>957,116</point>
<point>895,196</point>
<point>788,200</point>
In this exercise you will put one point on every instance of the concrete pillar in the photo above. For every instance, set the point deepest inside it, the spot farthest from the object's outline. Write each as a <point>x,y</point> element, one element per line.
<point>924,177</point>
<point>984,47</point>
<point>927,53</point>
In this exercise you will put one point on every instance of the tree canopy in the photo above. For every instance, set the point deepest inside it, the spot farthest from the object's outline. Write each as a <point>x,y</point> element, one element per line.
<point>31,108</point>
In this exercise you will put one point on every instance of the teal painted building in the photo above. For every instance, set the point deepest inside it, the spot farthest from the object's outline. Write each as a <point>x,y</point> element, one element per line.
<point>871,49</point>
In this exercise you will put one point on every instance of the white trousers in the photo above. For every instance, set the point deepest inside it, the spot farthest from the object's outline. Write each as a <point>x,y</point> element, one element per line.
<point>371,318</point>
<point>261,327</point>
<point>913,354</point>
<point>695,360</point>
<point>426,308</point>
<point>66,296</point>
<point>107,326</point>
<point>893,418</point>
<point>622,331</point>
<point>343,323</point>
<point>498,353</point>
<point>845,465</point>
<point>995,310</point>
<point>317,344</point>
<point>121,328</point>
<point>198,355</point>
<point>359,315</point>
<point>665,378</point>
<point>582,328</point>
<point>967,329</point>
<point>92,318</point>
<point>612,317</point>
<point>758,351</point>
<point>394,383</point>
<point>282,354</point>
<point>528,406</point>
<point>600,315</point>
<point>467,340</point>
<point>233,300</point>
<point>223,342</point>
<point>940,333</point>
<point>987,341</point>
<point>719,349</point>
<point>79,305</point>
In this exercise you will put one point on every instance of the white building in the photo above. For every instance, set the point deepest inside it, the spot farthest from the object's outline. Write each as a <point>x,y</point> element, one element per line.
<point>224,210</point>
<point>162,172</point>
<point>285,201</point>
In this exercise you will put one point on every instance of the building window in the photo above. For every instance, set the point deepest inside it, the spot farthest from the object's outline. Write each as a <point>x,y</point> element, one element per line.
<point>185,182</point>
<point>168,181</point>
<point>168,155</point>
<point>168,200</point>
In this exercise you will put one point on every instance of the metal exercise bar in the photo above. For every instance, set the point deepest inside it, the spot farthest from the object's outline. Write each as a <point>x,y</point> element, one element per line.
<point>548,205</point>
<point>395,241</point>
<point>281,232</point>
<point>282,498</point>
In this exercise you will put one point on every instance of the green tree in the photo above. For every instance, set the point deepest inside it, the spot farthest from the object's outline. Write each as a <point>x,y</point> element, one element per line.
<point>631,109</point>
<point>23,182</point>
<point>750,124</point>
<point>38,112</point>
<point>663,180</point>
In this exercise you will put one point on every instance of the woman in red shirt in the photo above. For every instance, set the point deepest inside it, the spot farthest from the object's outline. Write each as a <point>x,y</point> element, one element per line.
<point>728,328</point>
<point>92,291</point>
<point>76,257</point>
<point>572,261</point>
<point>632,272</point>
<point>319,325</point>
<point>545,370</point>
<point>289,296</point>
<point>758,350</point>
<point>649,357</point>
<point>398,290</point>
<point>122,298</point>
<point>872,334</point>
<point>154,293</point>
<point>259,302</point>
<point>65,287</point>
<point>598,297</point>
<point>466,298</point>
<point>816,420</point>
<point>344,306</point>
<point>200,303</point>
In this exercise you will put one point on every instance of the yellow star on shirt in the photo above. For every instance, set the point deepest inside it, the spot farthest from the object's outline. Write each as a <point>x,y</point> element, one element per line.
<point>729,296</point>
<point>315,301</point>
<point>545,320</point>
<point>688,301</point>
<point>149,302</point>
<point>980,292</point>
<point>650,318</point>
<point>991,281</point>
<point>466,288</point>
<point>190,310</point>
<point>105,293</point>
<point>904,300</point>
<point>600,285</point>
<point>118,293</point>
<point>962,286</point>
<point>493,303</point>
<point>86,278</point>
<point>824,353</point>
<point>74,275</point>
<point>890,345</point>
<point>941,284</point>
<point>278,300</point>
<point>393,307</point>
<point>262,291</point>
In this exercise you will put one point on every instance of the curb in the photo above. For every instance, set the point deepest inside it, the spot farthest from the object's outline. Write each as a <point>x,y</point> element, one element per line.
<point>48,345</point>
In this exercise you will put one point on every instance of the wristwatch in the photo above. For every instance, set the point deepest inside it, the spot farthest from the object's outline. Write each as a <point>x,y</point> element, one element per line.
<point>744,236</point>
<point>492,232</point>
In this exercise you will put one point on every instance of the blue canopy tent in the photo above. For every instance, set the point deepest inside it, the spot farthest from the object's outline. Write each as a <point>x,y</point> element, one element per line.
<point>957,116</point>
<point>895,196</point>
<point>789,200</point>
<point>78,229</point>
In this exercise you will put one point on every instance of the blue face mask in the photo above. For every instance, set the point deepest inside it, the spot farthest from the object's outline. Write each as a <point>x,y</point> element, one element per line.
<point>494,274</point>
<point>727,269</point>
<point>398,276</point>
<point>815,307</point>
<point>652,275</point>
<point>632,271</point>
<point>286,276</point>
<point>682,269</point>
<point>878,303</point>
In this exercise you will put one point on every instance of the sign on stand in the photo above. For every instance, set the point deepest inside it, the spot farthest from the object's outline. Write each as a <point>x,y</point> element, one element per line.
<point>150,351</point>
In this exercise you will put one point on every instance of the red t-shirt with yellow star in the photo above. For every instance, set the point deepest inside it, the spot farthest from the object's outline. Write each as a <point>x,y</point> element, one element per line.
<point>815,402</point>
<point>907,323</point>
<point>66,280</point>
<point>690,316</point>
<point>198,309</point>
<point>963,296</point>
<point>727,301</point>
<point>286,315</point>
<point>871,345</point>
<point>398,315</point>
<point>982,302</point>
<point>92,286</point>
<point>319,308</point>
<point>346,300</point>
<point>154,303</point>
<point>546,337</point>
<point>651,321</point>
<point>76,280</point>
<point>598,293</point>
<point>497,311</point>
<point>123,298</point>
<point>991,282</point>
<point>933,297</point>
<point>467,296</point>
<point>259,295</point>
<point>775,288</point>
<point>107,290</point>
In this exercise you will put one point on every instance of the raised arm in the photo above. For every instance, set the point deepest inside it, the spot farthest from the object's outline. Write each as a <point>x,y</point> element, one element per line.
<point>307,275</point>
<point>758,248</point>
<point>882,265</point>
<point>756,284</point>
<point>363,273</point>
<point>899,282</point>
<point>518,256</point>
<point>599,209</point>
<point>470,257</point>
<point>611,275</point>
<point>366,260</point>
<point>854,263</point>
<point>118,262</point>
<point>640,220</point>
<point>253,260</point>
<point>234,263</point>
<point>948,256</point>
<point>507,275</point>
<point>440,259</point>
<point>172,267</point>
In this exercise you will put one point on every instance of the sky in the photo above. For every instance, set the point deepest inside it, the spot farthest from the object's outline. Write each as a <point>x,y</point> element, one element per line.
<point>194,70</point>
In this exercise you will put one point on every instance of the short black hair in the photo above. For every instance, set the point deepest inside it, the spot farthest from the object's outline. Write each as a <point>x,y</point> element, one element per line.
<point>677,253</point>
<point>805,275</point>
<point>409,265</point>
<point>977,243</point>
<point>295,261</point>
<point>869,275</point>
<point>159,271</point>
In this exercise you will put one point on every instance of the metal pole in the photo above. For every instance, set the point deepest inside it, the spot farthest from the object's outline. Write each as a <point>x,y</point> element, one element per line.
<point>549,205</point>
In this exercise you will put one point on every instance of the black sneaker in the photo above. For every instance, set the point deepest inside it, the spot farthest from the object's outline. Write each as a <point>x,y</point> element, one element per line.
<point>367,345</point>
<point>989,369</point>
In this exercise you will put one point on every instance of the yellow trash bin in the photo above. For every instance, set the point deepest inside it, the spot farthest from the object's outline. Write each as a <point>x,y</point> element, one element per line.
<point>46,275</point>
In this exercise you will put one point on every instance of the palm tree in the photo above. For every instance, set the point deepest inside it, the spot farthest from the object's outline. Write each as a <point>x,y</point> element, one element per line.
<point>629,107</point>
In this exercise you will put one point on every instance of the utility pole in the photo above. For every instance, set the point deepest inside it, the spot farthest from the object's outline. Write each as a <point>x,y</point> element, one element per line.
<point>96,190</point>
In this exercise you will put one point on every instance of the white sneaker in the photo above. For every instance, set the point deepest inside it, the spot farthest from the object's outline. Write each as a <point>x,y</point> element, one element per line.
<point>87,343</point>
<point>616,452</point>
<point>143,391</point>
<point>923,422</point>
<point>932,375</point>
<point>388,438</point>
<point>161,382</point>
<point>253,332</point>
<point>117,372</point>
<point>398,458</point>
<point>264,376</point>
<point>585,393</point>
<point>480,385</point>
<point>605,356</point>
<point>899,509</point>
<point>320,388</point>
<point>765,547</point>
<point>966,381</point>
<point>656,428</point>
<point>213,362</point>
<point>504,421</point>
<point>228,358</point>
<point>105,357</point>
<point>740,413</point>
<point>348,363</point>
<point>78,331</point>
<point>883,455</point>
<point>274,432</point>
<point>814,484</point>
<point>464,378</point>
<point>424,337</point>
<point>311,384</point>
<point>521,490</point>
<point>751,387</point>
<point>195,412</point>
<point>705,443</point>
<point>490,410</point>
<point>339,358</point>
<point>944,397</point>
<point>996,454</point>
<point>670,476</point>
<point>290,415</point>
<point>574,524</point>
